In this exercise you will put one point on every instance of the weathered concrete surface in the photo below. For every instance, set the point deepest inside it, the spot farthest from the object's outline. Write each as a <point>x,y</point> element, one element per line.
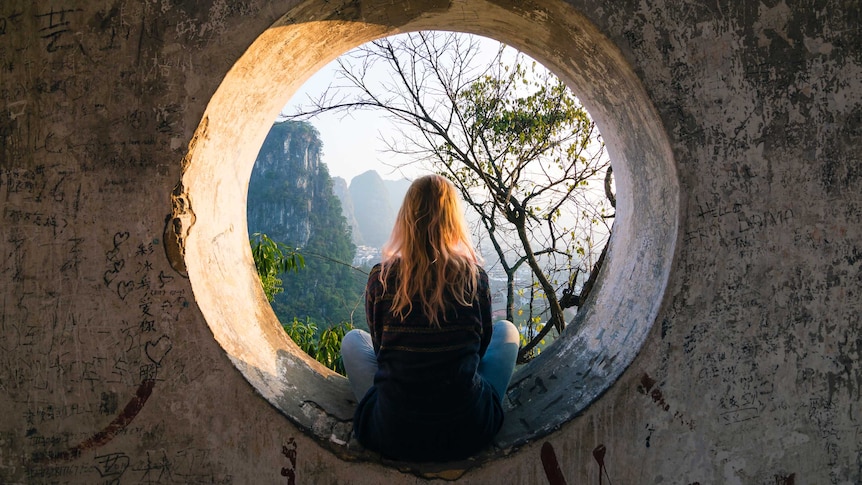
<point>110,371</point>
<point>209,209</point>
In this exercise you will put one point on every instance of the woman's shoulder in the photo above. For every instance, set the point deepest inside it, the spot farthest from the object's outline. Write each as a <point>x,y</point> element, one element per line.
<point>374,276</point>
<point>482,273</point>
<point>482,280</point>
<point>378,268</point>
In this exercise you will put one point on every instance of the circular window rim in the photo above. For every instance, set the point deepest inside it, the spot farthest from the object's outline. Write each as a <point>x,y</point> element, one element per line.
<point>210,209</point>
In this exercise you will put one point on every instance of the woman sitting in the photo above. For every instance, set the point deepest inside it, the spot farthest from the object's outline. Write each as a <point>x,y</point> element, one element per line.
<point>431,375</point>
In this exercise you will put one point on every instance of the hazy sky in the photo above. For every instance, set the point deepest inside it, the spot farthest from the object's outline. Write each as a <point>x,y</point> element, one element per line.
<point>351,142</point>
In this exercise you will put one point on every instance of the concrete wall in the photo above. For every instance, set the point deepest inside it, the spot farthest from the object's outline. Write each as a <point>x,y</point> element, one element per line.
<point>116,365</point>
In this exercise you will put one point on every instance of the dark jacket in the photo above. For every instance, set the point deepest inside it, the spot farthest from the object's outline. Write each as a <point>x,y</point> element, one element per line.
<point>427,402</point>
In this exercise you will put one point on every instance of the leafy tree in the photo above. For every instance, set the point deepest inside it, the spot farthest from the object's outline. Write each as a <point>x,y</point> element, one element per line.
<point>271,259</point>
<point>513,139</point>
<point>323,346</point>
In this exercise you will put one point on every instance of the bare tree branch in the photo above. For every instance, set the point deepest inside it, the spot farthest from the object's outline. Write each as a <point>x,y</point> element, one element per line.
<point>513,139</point>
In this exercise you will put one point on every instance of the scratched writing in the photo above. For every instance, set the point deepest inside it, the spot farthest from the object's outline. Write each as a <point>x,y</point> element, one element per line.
<point>158,307</point>
<point>187,465</point>
<point>733,225</point>
<point>745,392</point>
<point>55,28</point>
<point>192,465</point>
<point>50,474</point>
<point>74,256</point>
<point>116,263</point>
<point>111,466</point>
<point>36,219</point>
<point>156,468</point>
<point>750,353</point>
<point>139,351</point>
<point>44,411</point>
<point>116,27</point>
<point>37,185</point>
<point>13,261</point>
<point>24,181</point>
<point>7,22</point>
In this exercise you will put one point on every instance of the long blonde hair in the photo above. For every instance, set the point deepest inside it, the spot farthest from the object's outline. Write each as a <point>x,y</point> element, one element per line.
<point>432,249</point>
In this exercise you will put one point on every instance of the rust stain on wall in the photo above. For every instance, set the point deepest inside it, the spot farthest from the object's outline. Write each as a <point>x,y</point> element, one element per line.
<point>647,388</point>
<point>551,465</point>
<point>132,408</point>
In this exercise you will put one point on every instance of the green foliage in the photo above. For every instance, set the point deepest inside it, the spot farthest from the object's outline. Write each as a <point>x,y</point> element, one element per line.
<point>323,346</point>
<point>529,155</point>
<point>303,333</point>
<point>272,258</point>
<point>329,290</point>
<point>524,115</point>
<point>528,331</point>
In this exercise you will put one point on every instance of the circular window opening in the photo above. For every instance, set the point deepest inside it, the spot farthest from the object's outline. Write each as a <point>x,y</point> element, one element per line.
<point>356,134</point>
<point>210,213</point>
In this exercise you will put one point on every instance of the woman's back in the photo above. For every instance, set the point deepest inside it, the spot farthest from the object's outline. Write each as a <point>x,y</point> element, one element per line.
<point>427,375</point>
<point>428,390</point>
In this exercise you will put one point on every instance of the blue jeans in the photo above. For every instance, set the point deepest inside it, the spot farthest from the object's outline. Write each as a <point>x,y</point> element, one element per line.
<point>496,367</point>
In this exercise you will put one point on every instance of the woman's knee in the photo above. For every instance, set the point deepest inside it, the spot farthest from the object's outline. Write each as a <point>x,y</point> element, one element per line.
<point>355,341</point>
<point>507,331</point>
